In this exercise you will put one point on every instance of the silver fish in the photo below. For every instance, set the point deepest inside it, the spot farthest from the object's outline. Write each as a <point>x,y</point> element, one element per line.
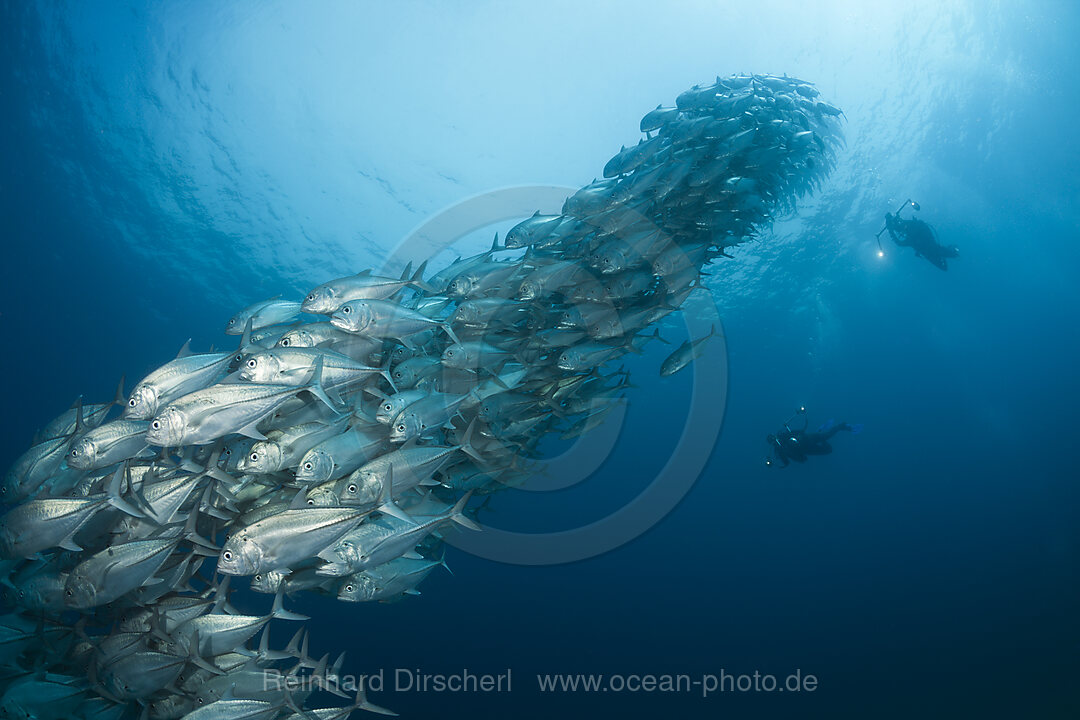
<point>115,571</point>
<point>206,415</point>
<point>283,540</point>
<point>685,354</point>
<point>108,444</point>
<point>262,314</point>
<point>175,379</point>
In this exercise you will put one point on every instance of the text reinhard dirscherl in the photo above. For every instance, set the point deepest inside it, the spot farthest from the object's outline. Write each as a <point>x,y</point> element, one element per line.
<point>414,680</point>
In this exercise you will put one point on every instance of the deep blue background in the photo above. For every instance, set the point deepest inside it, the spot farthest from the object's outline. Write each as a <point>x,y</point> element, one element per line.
<point>929,566</point>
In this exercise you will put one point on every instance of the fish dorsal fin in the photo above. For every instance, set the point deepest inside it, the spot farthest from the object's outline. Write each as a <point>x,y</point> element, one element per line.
<point>185,350</point>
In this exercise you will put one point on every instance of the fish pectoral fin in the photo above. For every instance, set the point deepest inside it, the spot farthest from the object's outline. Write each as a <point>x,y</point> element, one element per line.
<point>413,555</point>
<point>151,581</point>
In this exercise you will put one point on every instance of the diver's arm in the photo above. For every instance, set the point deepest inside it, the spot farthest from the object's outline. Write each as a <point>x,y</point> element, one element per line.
<point>797,413</point>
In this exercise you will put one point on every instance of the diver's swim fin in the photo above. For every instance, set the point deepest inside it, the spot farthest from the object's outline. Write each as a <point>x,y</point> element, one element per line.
<point>855,429</point>
<point>826,426</point>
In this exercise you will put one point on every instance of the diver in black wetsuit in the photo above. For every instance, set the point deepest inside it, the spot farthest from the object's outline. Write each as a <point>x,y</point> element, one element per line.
<point>789,445</point>
<point>916,234</point>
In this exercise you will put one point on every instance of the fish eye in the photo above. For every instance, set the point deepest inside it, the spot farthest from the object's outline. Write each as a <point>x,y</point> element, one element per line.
<point>450,353</point>
<point>346,309</point>
<point>258,578</point>
<point>311,296</point>
<point>70,593</point>
<point>254,457</point>
<point>238,358</point>
<point>352,488</point>
<point>401,428</point>
<point>348,588</point>
<point>75,452</point>
<point>310,501</point>
<point>307,466</point>
<point>132,403</point>
<point>252,363</point>
<point>156,425</point>
<point>284,342</point>
<point>227,555</point>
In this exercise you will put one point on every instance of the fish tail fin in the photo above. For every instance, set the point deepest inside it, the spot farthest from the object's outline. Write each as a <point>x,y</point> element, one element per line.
<point>80,421</point>
<point>466,444</point>
<point>119,397</point>
<point>265,653</point>
<point>315,386</point>
<point>115,488</point>
<point>245,338</point>
<point>361,703</point>
<point>457,514</point>
<point>450,332</point>
<point>385,371</point>
<point>417,280</point>
<point>281,613</point>
<point>199,544</point>
<point>290,703</point>
<point>320,675</point>
<point>386,502</point>
<point>293,648</point>
<point>195,657</point>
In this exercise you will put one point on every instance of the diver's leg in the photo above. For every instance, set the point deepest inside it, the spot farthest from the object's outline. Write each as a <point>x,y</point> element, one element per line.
<point>817,445</point>
<point>833,430</point>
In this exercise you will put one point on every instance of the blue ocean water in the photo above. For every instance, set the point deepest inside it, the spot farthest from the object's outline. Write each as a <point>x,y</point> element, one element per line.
<point>165,165</point>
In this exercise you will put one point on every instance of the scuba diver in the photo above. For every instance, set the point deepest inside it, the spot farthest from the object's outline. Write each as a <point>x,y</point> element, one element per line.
<point>789,445</point>
<point>914,233</point>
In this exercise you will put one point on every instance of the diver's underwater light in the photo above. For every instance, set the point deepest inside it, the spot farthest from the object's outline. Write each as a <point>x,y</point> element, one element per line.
<point>881,253</point>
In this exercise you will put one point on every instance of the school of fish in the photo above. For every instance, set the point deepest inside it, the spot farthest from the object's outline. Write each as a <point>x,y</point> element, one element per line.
<point>349,431</point>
